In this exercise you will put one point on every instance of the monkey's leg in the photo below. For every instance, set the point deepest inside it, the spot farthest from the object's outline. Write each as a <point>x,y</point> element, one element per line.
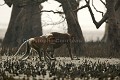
<point>50,53</point>
<point>40,54</point>
<point>51,58</point>
<point>27,53</point>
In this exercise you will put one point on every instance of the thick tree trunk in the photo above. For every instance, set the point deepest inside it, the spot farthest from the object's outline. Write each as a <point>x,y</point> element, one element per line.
<point>112,32</point>
<point>7,41</point>
<point>25,23</point>
<point>73,24</point>
<point>28,23</point>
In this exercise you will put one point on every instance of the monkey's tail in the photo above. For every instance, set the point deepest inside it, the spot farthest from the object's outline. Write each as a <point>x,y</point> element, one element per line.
<point>19,49</point>
<point>27,53</point>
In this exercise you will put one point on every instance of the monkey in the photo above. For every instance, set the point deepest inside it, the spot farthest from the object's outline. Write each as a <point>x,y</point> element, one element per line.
<point>41,44</point>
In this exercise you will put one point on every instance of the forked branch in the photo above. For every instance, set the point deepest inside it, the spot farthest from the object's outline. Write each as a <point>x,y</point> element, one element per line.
<point>97,24</point>
<point>104,18</point>
<point>81,8</point>
<point>96,9</point>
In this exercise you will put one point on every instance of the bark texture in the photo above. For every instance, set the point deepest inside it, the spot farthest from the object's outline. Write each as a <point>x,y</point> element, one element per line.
<point>25,23</point>
<point>112,30</point>
<point>73,25</point>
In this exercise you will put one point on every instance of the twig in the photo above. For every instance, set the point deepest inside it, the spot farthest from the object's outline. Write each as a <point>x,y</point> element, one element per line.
<point>58,12</point>
<point>96,9</point>
<point>98,24</point>
<point>81,7</point>
<point>56,23</point>
<point>103,3</point>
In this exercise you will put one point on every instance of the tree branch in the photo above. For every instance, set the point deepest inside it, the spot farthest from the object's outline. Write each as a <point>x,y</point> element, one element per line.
<point>59,12</point>
<point>103,3</point>
<point>55,23</point>
<point>81,8</point>
<point>98,24</point>
<point>96,9</point>
<point>55,12</point>
<point>105,17</point>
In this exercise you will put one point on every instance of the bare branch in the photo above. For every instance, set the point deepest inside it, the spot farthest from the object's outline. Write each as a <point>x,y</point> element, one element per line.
<point>96,9</point>
<point>103,3</point>
<point>105,17</point>
<point>87,1</point>
<point>55,12</point>
<point>55,23</point>
<point>81,8</point>
<point>59,12</point>
<point>98,24</point>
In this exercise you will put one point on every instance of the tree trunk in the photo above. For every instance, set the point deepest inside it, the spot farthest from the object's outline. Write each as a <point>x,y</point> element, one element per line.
<point>28,23</point>
<point>7,41</point>
<point>73,24</point>
<point>112,32</point>
<point>25,23</point>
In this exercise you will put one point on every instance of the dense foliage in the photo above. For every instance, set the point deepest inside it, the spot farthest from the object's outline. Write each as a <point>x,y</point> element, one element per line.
<point>59,69</point>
